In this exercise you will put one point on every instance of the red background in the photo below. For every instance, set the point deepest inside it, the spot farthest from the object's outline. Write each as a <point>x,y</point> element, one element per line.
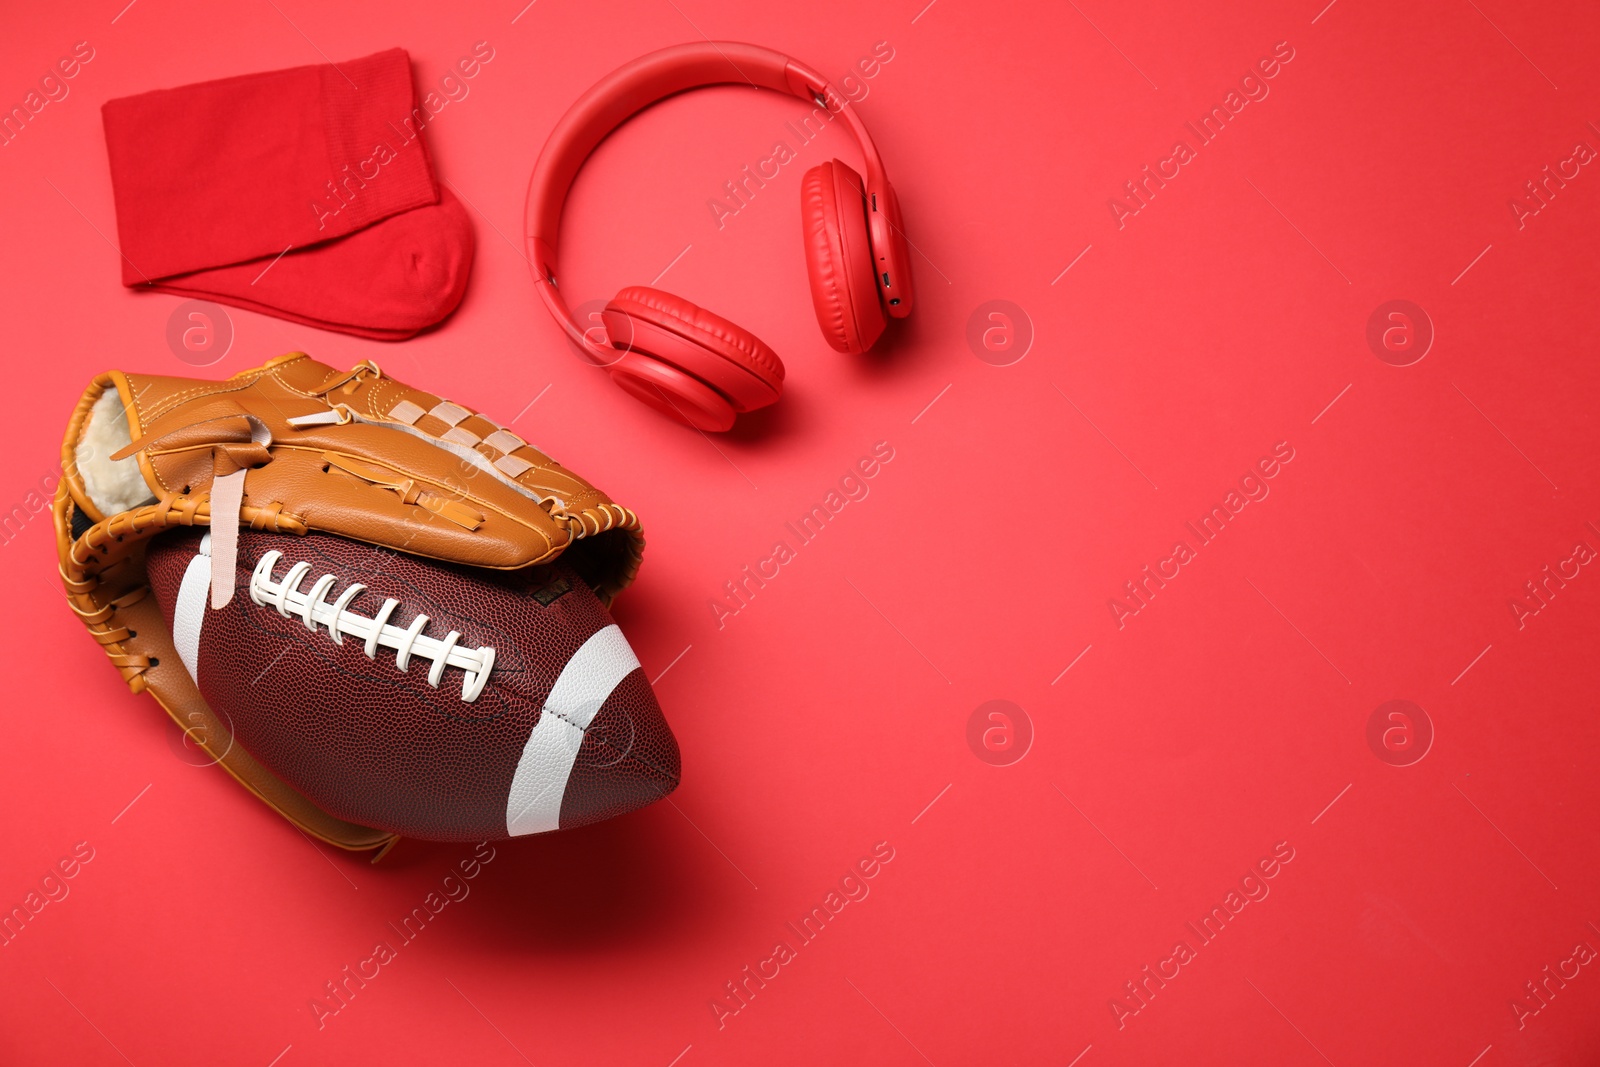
<point>823,718</point>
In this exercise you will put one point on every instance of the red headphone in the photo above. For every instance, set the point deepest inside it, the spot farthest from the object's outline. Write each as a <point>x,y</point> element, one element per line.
<point>684,361</point>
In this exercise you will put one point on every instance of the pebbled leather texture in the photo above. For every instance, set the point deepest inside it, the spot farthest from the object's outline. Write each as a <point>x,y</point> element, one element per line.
<point>727,339</point>
<point>620,764</point>
<point>378,746</point>
<point>839,262</point>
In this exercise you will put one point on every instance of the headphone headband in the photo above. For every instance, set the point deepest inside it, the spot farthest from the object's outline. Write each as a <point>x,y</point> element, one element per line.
<point>630,89</point>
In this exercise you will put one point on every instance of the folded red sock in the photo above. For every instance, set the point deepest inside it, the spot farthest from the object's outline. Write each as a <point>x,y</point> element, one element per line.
<point>306,193</point>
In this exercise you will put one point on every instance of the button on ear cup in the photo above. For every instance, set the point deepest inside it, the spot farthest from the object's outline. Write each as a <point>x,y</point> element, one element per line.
<point>891,257</point>
<point>695,346</point>
<point>833,218</point>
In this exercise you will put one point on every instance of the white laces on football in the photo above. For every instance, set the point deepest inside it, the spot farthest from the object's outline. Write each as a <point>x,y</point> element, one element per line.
<point>314,610</point>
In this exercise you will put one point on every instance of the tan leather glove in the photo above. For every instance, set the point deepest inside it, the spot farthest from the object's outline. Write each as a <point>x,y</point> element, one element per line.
<point>290,447</point>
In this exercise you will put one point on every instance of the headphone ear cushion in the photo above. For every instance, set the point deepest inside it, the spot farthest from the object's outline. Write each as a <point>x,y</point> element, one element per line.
<point>656,327</point>
<point>833,217</point>
<point>727,339</point>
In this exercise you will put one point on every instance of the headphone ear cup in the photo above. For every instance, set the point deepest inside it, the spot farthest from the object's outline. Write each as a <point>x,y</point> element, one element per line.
<point>670,391</point>
<point>675,353</point>
<point>844,291</point>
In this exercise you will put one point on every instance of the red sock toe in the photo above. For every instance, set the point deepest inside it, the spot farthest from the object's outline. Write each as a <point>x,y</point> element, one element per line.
<point>388,281</point>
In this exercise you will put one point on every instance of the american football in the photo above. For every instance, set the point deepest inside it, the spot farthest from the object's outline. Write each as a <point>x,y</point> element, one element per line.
<point>429,699</point>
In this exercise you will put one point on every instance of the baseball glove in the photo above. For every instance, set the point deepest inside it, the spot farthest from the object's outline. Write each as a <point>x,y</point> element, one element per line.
<point>414,474</point>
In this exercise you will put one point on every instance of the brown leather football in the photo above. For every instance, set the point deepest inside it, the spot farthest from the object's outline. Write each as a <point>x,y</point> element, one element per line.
<point>429,699</point>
